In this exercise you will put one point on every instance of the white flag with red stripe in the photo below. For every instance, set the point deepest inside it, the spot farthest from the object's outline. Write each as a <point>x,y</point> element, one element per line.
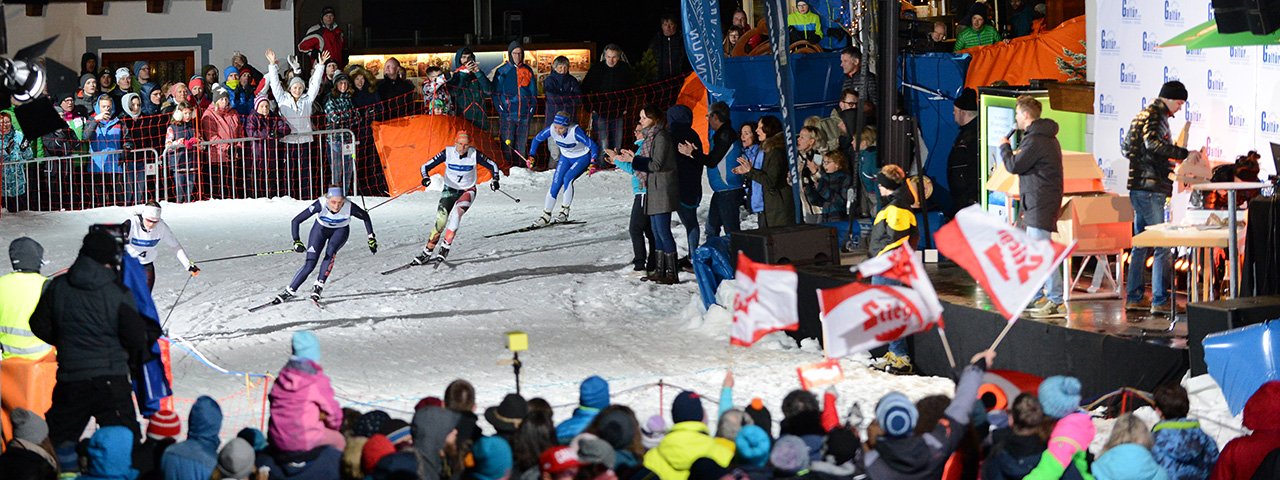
<point>765,303</point>
<point>858,317</point>
<point>903,265</point>
<point>1010,266</point>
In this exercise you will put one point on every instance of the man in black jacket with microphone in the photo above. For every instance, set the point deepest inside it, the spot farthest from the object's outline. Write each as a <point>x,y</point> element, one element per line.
<point>1038,164</point>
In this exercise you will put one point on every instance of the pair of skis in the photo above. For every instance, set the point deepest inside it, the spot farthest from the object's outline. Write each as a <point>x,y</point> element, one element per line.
<point>436,261</point>
<point>278,301</point>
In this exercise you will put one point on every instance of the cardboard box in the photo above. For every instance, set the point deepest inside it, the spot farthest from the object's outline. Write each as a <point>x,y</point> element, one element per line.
<point>1080,174</point>
<point>1096,222</point>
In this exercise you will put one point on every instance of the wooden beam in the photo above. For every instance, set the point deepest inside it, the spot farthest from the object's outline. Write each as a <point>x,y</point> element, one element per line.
<point>155,6</point>
<point>272,4</point>
<point>213,5</point>
<point>93,7</point>
<point>35,9</point>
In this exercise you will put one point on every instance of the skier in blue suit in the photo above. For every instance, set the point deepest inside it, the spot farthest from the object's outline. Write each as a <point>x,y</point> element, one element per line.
<point>577,152</point>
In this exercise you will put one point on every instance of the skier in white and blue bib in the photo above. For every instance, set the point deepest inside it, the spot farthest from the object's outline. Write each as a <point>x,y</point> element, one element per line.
<point>146,232</point>
<point>333,218</point>
<point>577,152</point>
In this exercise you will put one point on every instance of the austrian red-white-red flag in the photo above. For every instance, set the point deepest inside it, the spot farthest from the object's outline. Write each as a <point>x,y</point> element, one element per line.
<point>1009,265</point>
<point>766,301</point>
<point>903,265</point>
<point>858,317</point>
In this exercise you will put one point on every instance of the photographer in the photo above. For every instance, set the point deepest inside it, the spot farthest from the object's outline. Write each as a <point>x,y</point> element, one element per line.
<point>91,318</point>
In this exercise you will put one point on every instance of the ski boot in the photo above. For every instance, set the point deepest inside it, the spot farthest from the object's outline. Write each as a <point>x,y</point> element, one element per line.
<point>427,256</point>
<point>439,258</point>
<point>315,291</point>
<point>283,296</point>
<point>563,216</point>
<point>542,221</point>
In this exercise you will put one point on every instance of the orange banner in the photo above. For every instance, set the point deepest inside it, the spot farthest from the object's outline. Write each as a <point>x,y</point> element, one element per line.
<point>1025,58</point>
<point>693,94</point>
<point>27,384</point>
<point>405,144</point>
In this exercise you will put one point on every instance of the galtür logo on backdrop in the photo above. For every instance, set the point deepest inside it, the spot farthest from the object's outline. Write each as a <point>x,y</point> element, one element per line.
<point>1172,12</point>
<point>1192,113</point>
<point>1216,83</point>
<point>1235,118</point>
<point>1128,76</point>
<point>1239,55</point>
<point>1108,44</point>
<point>1171,74</point>
<point>1106,105</point>
<point>1269,124</point>
<point>1271,55</point>
<point>1150,45</point>
<point>1129,11</point>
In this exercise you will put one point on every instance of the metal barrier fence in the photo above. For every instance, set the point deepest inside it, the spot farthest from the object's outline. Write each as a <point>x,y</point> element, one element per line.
<point>87,180</point>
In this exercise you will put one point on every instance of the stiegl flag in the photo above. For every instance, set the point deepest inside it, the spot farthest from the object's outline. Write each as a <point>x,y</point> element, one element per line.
<point>858,317</point>
<point>766,301</point>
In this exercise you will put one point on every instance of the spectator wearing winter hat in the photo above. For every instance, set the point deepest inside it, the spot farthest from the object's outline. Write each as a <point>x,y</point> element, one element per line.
<point>295,105</point>
<point>535,435</point>
<point>962,162</point>
<point>255,437</point>
<point>268,128</point>
<point>558,463</point>
<point>239,94</point>
<point>221,122</point>
<point>592,450</point>
<point>195,457</point>
<point>515,96</point>
<point>790,458</point>
<point>1067,454</point>
<point>1243,455</point>
<point>89,308</point>
<point>493,460</point>
<point>1016,449</point>
<point>375,449</point>
<point>562,91</point>
<point>707,469</point>
<point>340,114</point>
<point>19,295</point>
<point>803,418</point>
<point>978,31</point>
<point>141,75</point>
<point>200,98</point>
<point>1181,447</point>
<point>304,413</point>
<point>399,432</point>
<point>235,461</point>
<point>753,446</point>
<point>324,40</point>
<point>653,431</point>
<point>506,416</point>
<point>760,415</point>
<point>687,441</point>
<point>107,455</point>
<point>29,454</point>
<point>124,86</point>
<point>163,429</point>
<point>593,396</point>
<point>897,452</point>
<point>1059,396</point>
<point>840,455</point>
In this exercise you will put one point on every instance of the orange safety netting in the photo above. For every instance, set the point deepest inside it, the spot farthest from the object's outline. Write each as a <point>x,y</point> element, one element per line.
<point>405,144</point>
<point>1025,58</point>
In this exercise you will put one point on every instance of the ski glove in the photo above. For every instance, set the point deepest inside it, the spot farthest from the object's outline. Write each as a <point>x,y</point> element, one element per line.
<point>591,170</point>
<point>299,247</point>
<point>373,244</point>
<point>195,271</point>
<point>493,184</point>
<point>426,182</point>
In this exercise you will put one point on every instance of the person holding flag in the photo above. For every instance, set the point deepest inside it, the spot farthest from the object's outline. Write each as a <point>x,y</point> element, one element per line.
<point>895,225</point>
<point>460,181</point>
<point>577,152</point>
<point>1038,164</point>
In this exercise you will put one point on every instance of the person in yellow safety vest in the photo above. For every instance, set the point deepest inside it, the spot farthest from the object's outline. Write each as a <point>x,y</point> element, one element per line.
<point>803,24</point>
<point>26,363</point>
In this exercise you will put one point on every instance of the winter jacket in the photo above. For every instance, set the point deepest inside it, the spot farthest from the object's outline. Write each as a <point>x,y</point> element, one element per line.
<point>268,128</point>
<point>1149,145</point>
<point>103,136</point>
<point>969,38</point>
<point>1067,455</point>
<point>149,108</point>
<point>469,91</point>
<point>320,38</point>
<point>221,124</point>
<point>562,92</point>
<point>601,80</point>
<point>1183,449</point>
<point>340,112</point>
<point>1012,456</point>
<point>431,427</point>
<point>721,161</point>
<point>24,459</point>
<point>147,455</point>
<point>398,465</point>
<point>862,85</point>
<point>14,149</point>
<point>894,224</point>
<point>1241,457</point>
<point>663,194</point>
<point>924,456</point>
<point>755,194</point>
<point>1128,461</point>
<point>195,457</point>
<point>779,206</point>
<point>300,394</point>
<point>515,89</point>
<point>669,53</point>
<point>962,166</point>
<point>109,452</point>
<point>685,443</point>
<point>180,158</point>
<point>320,463</point>
<point>295,111</point>
<point>398,89</point>
<point>688,169</point>
<point>637,186</point>
<point>1270,467</point>
<point>1038,165</point>
<point>91,318</point>
<point>830,192</point>
<point>240,99</point>
<point>568,429</point>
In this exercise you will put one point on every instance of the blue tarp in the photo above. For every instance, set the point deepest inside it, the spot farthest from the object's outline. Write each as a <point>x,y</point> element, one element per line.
<point>150,384</point>
<point>1243,359</point>
<point>940,73</point>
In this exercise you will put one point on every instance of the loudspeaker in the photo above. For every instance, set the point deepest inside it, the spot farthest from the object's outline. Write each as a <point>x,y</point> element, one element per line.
<point>1211,317</point>
<point>1232,16</point>
<point>792,244</point>
<point>1264,16</point>
<point>1260,272</point>
<point>810,278</point>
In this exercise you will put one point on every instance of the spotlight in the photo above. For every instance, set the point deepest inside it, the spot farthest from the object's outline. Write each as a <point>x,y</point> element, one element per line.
<point>23,78</point>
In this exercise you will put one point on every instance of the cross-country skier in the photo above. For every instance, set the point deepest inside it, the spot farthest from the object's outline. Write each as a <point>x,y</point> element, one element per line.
<point>460,179</point>
<point>333,216</point>
<point>146,231</point>
<point>577,152</point>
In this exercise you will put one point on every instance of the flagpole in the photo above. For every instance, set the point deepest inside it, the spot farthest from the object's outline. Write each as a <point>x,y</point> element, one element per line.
<point>946,346</point>
<point>1008,325</point>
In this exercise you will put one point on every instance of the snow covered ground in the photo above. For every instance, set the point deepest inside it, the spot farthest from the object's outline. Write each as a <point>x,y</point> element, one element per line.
<point>389,340</point>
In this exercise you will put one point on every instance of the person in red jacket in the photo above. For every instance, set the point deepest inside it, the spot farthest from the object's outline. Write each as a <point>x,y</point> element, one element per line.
<point>1241,457</point>
<point>325,36</point>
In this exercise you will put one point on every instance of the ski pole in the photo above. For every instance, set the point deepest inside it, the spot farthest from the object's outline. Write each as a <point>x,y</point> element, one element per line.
<point>384,202</point>
<point>247,255</point>
<point>527,163</point>
<point>176,300</point>
<point>508,195</point>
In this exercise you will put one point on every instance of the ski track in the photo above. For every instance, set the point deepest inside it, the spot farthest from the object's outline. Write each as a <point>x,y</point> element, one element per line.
<point>388,340</point>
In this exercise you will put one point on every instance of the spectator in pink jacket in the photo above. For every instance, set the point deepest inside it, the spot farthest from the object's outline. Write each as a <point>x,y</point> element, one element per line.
<point>304,413</point>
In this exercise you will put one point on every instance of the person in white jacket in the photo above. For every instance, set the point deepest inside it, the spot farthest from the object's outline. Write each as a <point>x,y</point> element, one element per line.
<point>147,231</point>
<point>295,106</point>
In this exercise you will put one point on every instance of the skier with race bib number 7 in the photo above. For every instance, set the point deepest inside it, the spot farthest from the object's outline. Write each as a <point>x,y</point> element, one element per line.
<point>460,178</point>
<point>333,214</point>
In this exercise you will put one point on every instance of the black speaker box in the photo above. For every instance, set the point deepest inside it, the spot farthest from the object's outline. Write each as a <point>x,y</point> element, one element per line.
<point>792,244</point>
<point>1210,317</point>
<point>1232,16</point>
<point>1264,16</point>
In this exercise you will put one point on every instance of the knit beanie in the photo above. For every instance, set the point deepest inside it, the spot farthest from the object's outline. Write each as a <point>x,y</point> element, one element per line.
<point>616,428</point>
<point>896,414</point>
<point>219,92</point>
<point>706,469</point>
<point>164,424</point>
<point>231,71</point>
<point>370,423</point>
<point>236,460</point>
<point>298,80</point>
<point>101,247</point>
<point>591,449</point>
<point>594,392</point>
<point>790,455</point>
<point>254,437</point>
<point>377,447</point>
<point>760,415</point>
<point>753,445</point>
<point>122,72</point>
<point>196,81</point>
<point>27,425</point>
<point>26,254</point>
<point>1059,395</point>
<point>493,458</point>
<point>305,345</point>
<point>652,432</point>
<point>687,407</point>
<point>968,100</point>
<point>842,445</point>
<point>1173,90</point>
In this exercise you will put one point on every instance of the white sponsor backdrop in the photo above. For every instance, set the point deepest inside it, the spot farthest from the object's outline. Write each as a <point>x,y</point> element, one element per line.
<point>1234,103</point>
